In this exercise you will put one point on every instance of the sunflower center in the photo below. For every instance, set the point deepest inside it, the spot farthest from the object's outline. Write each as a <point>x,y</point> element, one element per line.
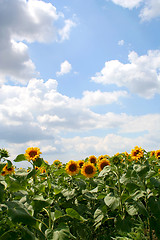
<point>89,170</point>
<point>104,164</point>
<point>92,160</point>
<point>72,168</point>
<point>136,153</point>
<point>81,164</point>
<point>9,169</point>
<point>33,153</point>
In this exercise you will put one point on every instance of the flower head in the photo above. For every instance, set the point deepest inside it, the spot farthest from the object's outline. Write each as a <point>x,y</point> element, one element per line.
<point>88,169</point>
<point>80,163</point>
<point>92,159</point>
<point>32,153</point>
<point>72,167</point>
<point>157,154</point>
<point>101,164</point>
<point>137,153</point>
<point>57,163</point>
<point>100,158</point>
<point>152,153</point>
<point>7,171</point>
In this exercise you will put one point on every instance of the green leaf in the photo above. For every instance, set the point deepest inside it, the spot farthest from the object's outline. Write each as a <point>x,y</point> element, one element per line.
<point>142,170</point>
<point>38,162</point>
<point>62,232</point>
<point>9,235</point>
<point>131,209</point>
<point>9,164</point>
<point>14,185</point>
<point>57,214</point>
<point>141,208</point>
<point>111,201</point>
<point>74,214</point>
<point>154,205</point>
<point>27,234</point>
<point>20,158</point>
<point>1,192</point>
<point>31,174</point>
<point>98,217</point>
<point>68,194</point>
<point>19,214</point>
<point>39,202</point>
<point>57,190</point>
<point>155,182</point>
<point>124,224</point>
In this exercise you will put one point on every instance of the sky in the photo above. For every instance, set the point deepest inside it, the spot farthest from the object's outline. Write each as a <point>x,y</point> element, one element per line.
<point>79,78</point>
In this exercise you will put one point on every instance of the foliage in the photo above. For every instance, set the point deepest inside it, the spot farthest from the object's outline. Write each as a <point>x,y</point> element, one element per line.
<point>120,201</point>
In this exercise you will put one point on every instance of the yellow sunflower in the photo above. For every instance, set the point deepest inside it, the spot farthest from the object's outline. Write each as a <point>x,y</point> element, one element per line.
<point>7,171</point>
<point>152,153</point>
<point>100,157</point>
<point>157,154</point>
<point>92,159</point>
<point>137,153</point>
<point>32,153</point>
<point>80,163</point>
<point>57,163</point>
<point>101,164</point>
<point>72,167</point>
<point>88,169</point>
<point>42,169</point>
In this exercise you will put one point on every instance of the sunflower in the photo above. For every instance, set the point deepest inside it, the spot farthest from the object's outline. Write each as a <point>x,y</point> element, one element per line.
<point>152,153</point>
<point>57,163</point>
<point>100,157</point>
<point>32,153</point>
<point>106,156</point>
<point>137,153</point>
<point>42,169</point>
<point>92,159</point>
<point>88,169</point>
<point>101,164</point>
<point>80,163</point>
<point>157,154</point>
<point>7,171</point>
<point>72,168</point>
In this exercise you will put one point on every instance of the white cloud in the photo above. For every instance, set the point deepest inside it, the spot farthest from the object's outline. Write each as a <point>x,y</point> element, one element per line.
<point>93,98</point>
<point>149,8</point>
<point>128,3</point>
<point>121,42</point>
<point>65,31</point>
<point>38,115</point>
<point>65,68</point>
<point>27,21</point>
<point>141,75</point>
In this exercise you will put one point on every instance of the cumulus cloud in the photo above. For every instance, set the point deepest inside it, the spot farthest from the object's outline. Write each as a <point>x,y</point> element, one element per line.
<point>93,98</point>
<point>65,68</point>
<point>149,8</point>
<point>128,4</point>
<point>25,22</point>
<point>38,115</point>
<point>141,75</point>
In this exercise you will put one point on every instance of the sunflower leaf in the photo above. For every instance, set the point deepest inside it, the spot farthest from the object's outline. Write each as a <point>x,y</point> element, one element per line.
<point>20,158</point>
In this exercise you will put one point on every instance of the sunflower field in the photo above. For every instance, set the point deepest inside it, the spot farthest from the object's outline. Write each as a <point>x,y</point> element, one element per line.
<point>97,198</point>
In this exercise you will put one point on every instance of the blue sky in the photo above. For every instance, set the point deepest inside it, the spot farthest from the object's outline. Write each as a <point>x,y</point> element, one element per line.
<point>79,78</point>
